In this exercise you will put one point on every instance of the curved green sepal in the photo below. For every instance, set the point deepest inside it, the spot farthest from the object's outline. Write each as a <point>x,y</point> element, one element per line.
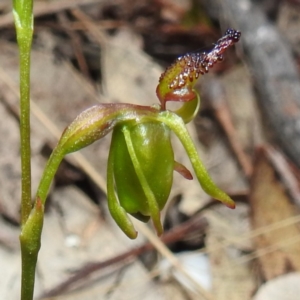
<point>117,212</point>
<point>176,124</point>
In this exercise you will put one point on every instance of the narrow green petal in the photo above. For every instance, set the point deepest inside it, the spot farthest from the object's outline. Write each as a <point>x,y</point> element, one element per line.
<point>152,202</point>
<point>176,124</point>
<point>118,212</point>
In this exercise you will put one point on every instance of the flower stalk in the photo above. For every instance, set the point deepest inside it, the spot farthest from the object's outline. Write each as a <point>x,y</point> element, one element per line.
<point>23,15</point>
<point>31,220</point>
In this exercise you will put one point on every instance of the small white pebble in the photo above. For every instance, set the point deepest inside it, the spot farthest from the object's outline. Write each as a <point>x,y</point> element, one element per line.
<point>72,241</point>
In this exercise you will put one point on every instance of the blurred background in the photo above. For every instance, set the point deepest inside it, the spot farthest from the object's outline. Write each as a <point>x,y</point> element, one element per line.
<point>247,133</point>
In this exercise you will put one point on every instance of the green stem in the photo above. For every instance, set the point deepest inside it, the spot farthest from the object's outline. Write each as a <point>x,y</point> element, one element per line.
<point>49,173</point>
<point>31,219</point>
<point>30,237</point>
<point>25,128</point>
<point>22,10</point>
<point>29,261</point>
<point>30,240</point>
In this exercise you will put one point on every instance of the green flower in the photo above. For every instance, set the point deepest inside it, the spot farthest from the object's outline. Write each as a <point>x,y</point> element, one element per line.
<point>141,158</point>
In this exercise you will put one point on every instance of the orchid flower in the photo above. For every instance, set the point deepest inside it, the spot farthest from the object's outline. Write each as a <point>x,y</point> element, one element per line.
<point>141,157</point>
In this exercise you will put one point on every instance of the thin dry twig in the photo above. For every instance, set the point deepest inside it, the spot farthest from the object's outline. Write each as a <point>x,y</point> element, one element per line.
<point>252,234</point>
<point>96,33</point>
<point>78,158</point>
<point>173,235</point>
<point>47,8</point>
<point>76,44</point>
<point>178,233</point>
<point>284,244</point>
<point>90,25</point>
<point>163,250</point>
<point>282,166</point>
<point>273,67</point>
<point>223,116</point>
<point>216,95</point>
